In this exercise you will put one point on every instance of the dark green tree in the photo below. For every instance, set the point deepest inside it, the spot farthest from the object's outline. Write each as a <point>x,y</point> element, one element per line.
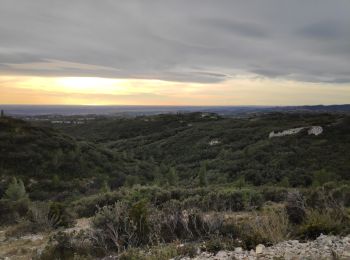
<point>131,180</point>
<point>172,177</point>
<point>55,181</point>
<point>203,180</point>
<point>157,180</point>
<point>285,182</point>
<point>16,190</point>
<point>105,187</point>
<point>322,176</point>
<point>240,183</point>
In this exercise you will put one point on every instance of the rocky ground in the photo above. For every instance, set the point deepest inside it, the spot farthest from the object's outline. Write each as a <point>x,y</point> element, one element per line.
<point>324,247</point>
<point>22,248</point>
<point>25,247</point>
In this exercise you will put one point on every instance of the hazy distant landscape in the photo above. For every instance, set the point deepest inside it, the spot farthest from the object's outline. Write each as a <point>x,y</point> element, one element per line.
<point>55,110</point>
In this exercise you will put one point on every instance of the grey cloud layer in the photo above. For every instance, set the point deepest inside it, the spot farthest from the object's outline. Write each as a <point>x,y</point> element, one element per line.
<point>180,40</point>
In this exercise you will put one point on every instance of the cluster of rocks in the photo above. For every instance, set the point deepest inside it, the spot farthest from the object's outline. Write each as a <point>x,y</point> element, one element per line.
<point>324,247</point>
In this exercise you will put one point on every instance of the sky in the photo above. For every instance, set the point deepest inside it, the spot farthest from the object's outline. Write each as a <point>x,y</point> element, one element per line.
<point>175,52</point>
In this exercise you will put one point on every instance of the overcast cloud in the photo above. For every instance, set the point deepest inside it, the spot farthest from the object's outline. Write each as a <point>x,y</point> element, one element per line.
<point>177,40</point>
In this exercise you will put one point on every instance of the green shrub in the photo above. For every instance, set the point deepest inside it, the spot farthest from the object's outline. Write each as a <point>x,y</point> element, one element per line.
<point>121,226</point>
<point>40,214</point>
<point>59,211</point>
<point>274,194</point>
<point>22,228</point>
<point>71,246</point>
<point>88,206</point>
<point>16,190</point>
<point>267,227</point>
<point>140,217</point>
<point>115,226</point>
<point>342,195</point>
<point>188,249</point>
<point>324,221</point>
<point>295,207</point>
<point>12,211</point>
<point>214,245</point>
<point>162,252</point>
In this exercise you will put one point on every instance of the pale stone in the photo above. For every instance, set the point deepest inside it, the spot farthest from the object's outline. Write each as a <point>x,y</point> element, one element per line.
<point>259,249</point>
<point>221,254</point>
<point>238,249</point>
<point>346,252</point>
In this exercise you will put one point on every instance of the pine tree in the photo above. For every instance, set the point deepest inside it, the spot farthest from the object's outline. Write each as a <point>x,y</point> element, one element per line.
<point>285,182</point>
<point>322,176</point>
<point>240,183</point>
<point>55,181</point>
<point>172,177</point>
<point>16,190</point>
<point>157,176</point>
<point>203,181</point>
<point>105,187</point>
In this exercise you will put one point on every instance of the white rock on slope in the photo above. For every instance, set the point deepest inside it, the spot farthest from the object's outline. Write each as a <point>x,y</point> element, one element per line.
<point>313,130</point>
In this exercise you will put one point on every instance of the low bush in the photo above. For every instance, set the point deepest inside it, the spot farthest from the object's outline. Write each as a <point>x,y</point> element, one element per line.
<point>189,250</point>
<point>64,217</point>
<point>154,253</point>
<point>206,199</point>
<point>267,227</point>
<point>39,214</point>
<point>122,226</point>
<point>324,212</point>
<point>214,245</point>
<point>12,211</point>
<point>71,246</point>
<point>24,227</point>
<point>324,221</point>
<point>41,217</point>
<point>114,226</point>
<point>295,207</point>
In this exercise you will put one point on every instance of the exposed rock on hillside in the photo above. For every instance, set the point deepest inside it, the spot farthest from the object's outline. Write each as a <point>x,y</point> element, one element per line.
<point>313,130</point>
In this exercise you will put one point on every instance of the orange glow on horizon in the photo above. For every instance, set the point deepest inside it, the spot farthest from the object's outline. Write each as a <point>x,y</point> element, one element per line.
<point>243,90</point>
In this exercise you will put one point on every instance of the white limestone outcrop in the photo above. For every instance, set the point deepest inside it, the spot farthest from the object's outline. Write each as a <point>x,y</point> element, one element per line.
<point>311,130</point>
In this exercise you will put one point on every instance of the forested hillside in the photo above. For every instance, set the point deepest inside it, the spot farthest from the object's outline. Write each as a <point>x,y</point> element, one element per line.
<point>231,148</point>
<point>179,148</point>
<point>143,184</point>
<point>50,161</point>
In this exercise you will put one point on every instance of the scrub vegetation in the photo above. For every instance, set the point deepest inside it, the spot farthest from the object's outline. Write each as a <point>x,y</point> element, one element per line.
<point>156,187</point>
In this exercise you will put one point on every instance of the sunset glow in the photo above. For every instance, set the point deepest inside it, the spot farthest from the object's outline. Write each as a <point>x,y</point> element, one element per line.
<point>105,91</point>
